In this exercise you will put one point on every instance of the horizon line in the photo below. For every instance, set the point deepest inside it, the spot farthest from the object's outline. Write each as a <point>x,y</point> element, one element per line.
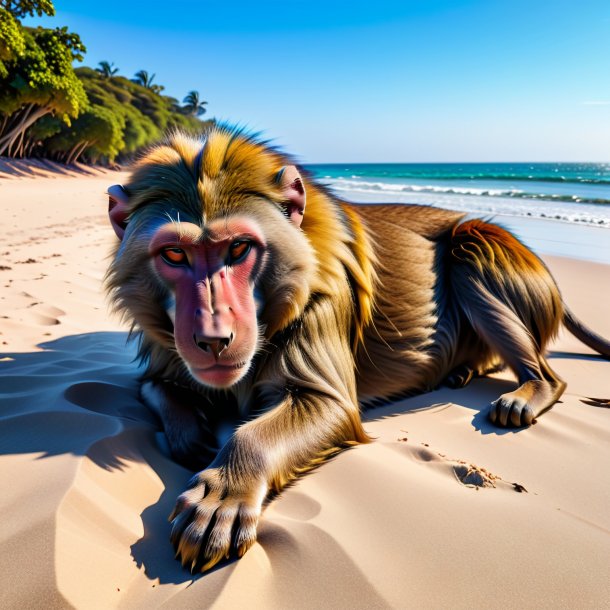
<point>455,162</point>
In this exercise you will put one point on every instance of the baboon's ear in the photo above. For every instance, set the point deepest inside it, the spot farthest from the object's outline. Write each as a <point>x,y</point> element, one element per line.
<point>294,193</point>
<point>118,201</point>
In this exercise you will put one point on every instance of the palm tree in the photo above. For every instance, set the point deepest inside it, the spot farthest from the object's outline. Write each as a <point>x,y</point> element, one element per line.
<point>193,105</point>
<point>106,69</point>
<point>143,78</point>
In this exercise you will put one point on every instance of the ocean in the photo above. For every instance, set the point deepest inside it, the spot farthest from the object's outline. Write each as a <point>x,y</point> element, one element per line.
<point>568,192</point>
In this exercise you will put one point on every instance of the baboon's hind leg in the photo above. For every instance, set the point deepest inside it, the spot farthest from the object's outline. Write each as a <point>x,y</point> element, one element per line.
<point>505,334</point>
<point>513,305</point>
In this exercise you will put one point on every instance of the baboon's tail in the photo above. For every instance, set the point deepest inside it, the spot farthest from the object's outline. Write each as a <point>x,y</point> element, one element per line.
<point>584,334</point>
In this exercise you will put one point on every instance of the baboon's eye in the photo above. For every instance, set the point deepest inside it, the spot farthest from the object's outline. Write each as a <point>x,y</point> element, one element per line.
<point>174,256</point>
<point>238,251</point>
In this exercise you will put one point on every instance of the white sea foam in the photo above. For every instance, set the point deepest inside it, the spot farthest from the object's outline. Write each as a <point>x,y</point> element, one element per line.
<point>510,202</point>
<point>365,187</point>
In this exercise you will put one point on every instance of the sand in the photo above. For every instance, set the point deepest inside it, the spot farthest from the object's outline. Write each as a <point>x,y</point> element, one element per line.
<point>443,510</point>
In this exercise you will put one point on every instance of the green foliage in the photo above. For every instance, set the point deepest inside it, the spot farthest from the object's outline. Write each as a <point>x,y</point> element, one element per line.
<point>122,118</point>
<point>142,77</point>
<point>49,108</point>
<point>106,69</point>
<point>12,41</point>
<point>23,8</point>
<point>45,127</point>
<point>38,81</point>
<point>43,75</point>
<point>194,106</point>
<point>98,130</point>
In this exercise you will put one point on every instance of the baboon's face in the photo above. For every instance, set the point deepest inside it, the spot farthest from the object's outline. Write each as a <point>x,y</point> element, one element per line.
<point>212,274</point>
<point>227,263</point>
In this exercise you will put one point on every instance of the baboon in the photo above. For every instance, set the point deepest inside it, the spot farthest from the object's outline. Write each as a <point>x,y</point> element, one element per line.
<point>267,310</point>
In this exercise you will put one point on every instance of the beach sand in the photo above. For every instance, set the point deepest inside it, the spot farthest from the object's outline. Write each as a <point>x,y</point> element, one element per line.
<point>443,510</point>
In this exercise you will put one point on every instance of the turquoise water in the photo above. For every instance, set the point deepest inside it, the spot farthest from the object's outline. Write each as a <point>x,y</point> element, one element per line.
<point>574,192</point>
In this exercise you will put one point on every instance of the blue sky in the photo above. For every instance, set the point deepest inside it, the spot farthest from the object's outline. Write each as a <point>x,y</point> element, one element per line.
<point>410,81</point>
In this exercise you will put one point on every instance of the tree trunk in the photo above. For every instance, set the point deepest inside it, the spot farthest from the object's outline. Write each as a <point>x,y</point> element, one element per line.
<point>29,145</point>
<point>81,150</point>
<point>71,152</point>
<point>4,123</point>
<point>7,141</point>
<point>15,118</point>
<point>19,145</point>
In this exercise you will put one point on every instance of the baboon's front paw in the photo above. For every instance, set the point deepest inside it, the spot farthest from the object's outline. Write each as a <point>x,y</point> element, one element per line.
<point>511,410</point>
<point>211,522</point>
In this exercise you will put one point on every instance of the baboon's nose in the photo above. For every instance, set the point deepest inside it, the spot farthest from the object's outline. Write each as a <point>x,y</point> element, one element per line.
<point>215,345</point>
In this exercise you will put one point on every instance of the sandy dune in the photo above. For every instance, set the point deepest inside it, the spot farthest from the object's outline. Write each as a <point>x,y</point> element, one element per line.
<point>442,511</point>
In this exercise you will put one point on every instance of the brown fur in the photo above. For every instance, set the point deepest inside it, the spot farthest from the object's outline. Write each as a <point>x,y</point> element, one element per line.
<point>360,302</point>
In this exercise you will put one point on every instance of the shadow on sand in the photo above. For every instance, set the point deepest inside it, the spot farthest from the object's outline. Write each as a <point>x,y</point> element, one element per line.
<point>24,168</point>
<point>79,395</point>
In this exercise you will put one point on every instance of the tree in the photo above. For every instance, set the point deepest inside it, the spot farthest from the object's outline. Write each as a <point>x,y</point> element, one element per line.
<point>93,117</point>
<point>98,130</point>
<point>12,40</point>
<point>38,82</point>
<point>193,105</point>
<point>106,69</point>
<point>119,95</point>
<point>40,131</point>
<point>141,77</point>
<point>122,118</point>
<point>23,8</point>
<point>49,108</point>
